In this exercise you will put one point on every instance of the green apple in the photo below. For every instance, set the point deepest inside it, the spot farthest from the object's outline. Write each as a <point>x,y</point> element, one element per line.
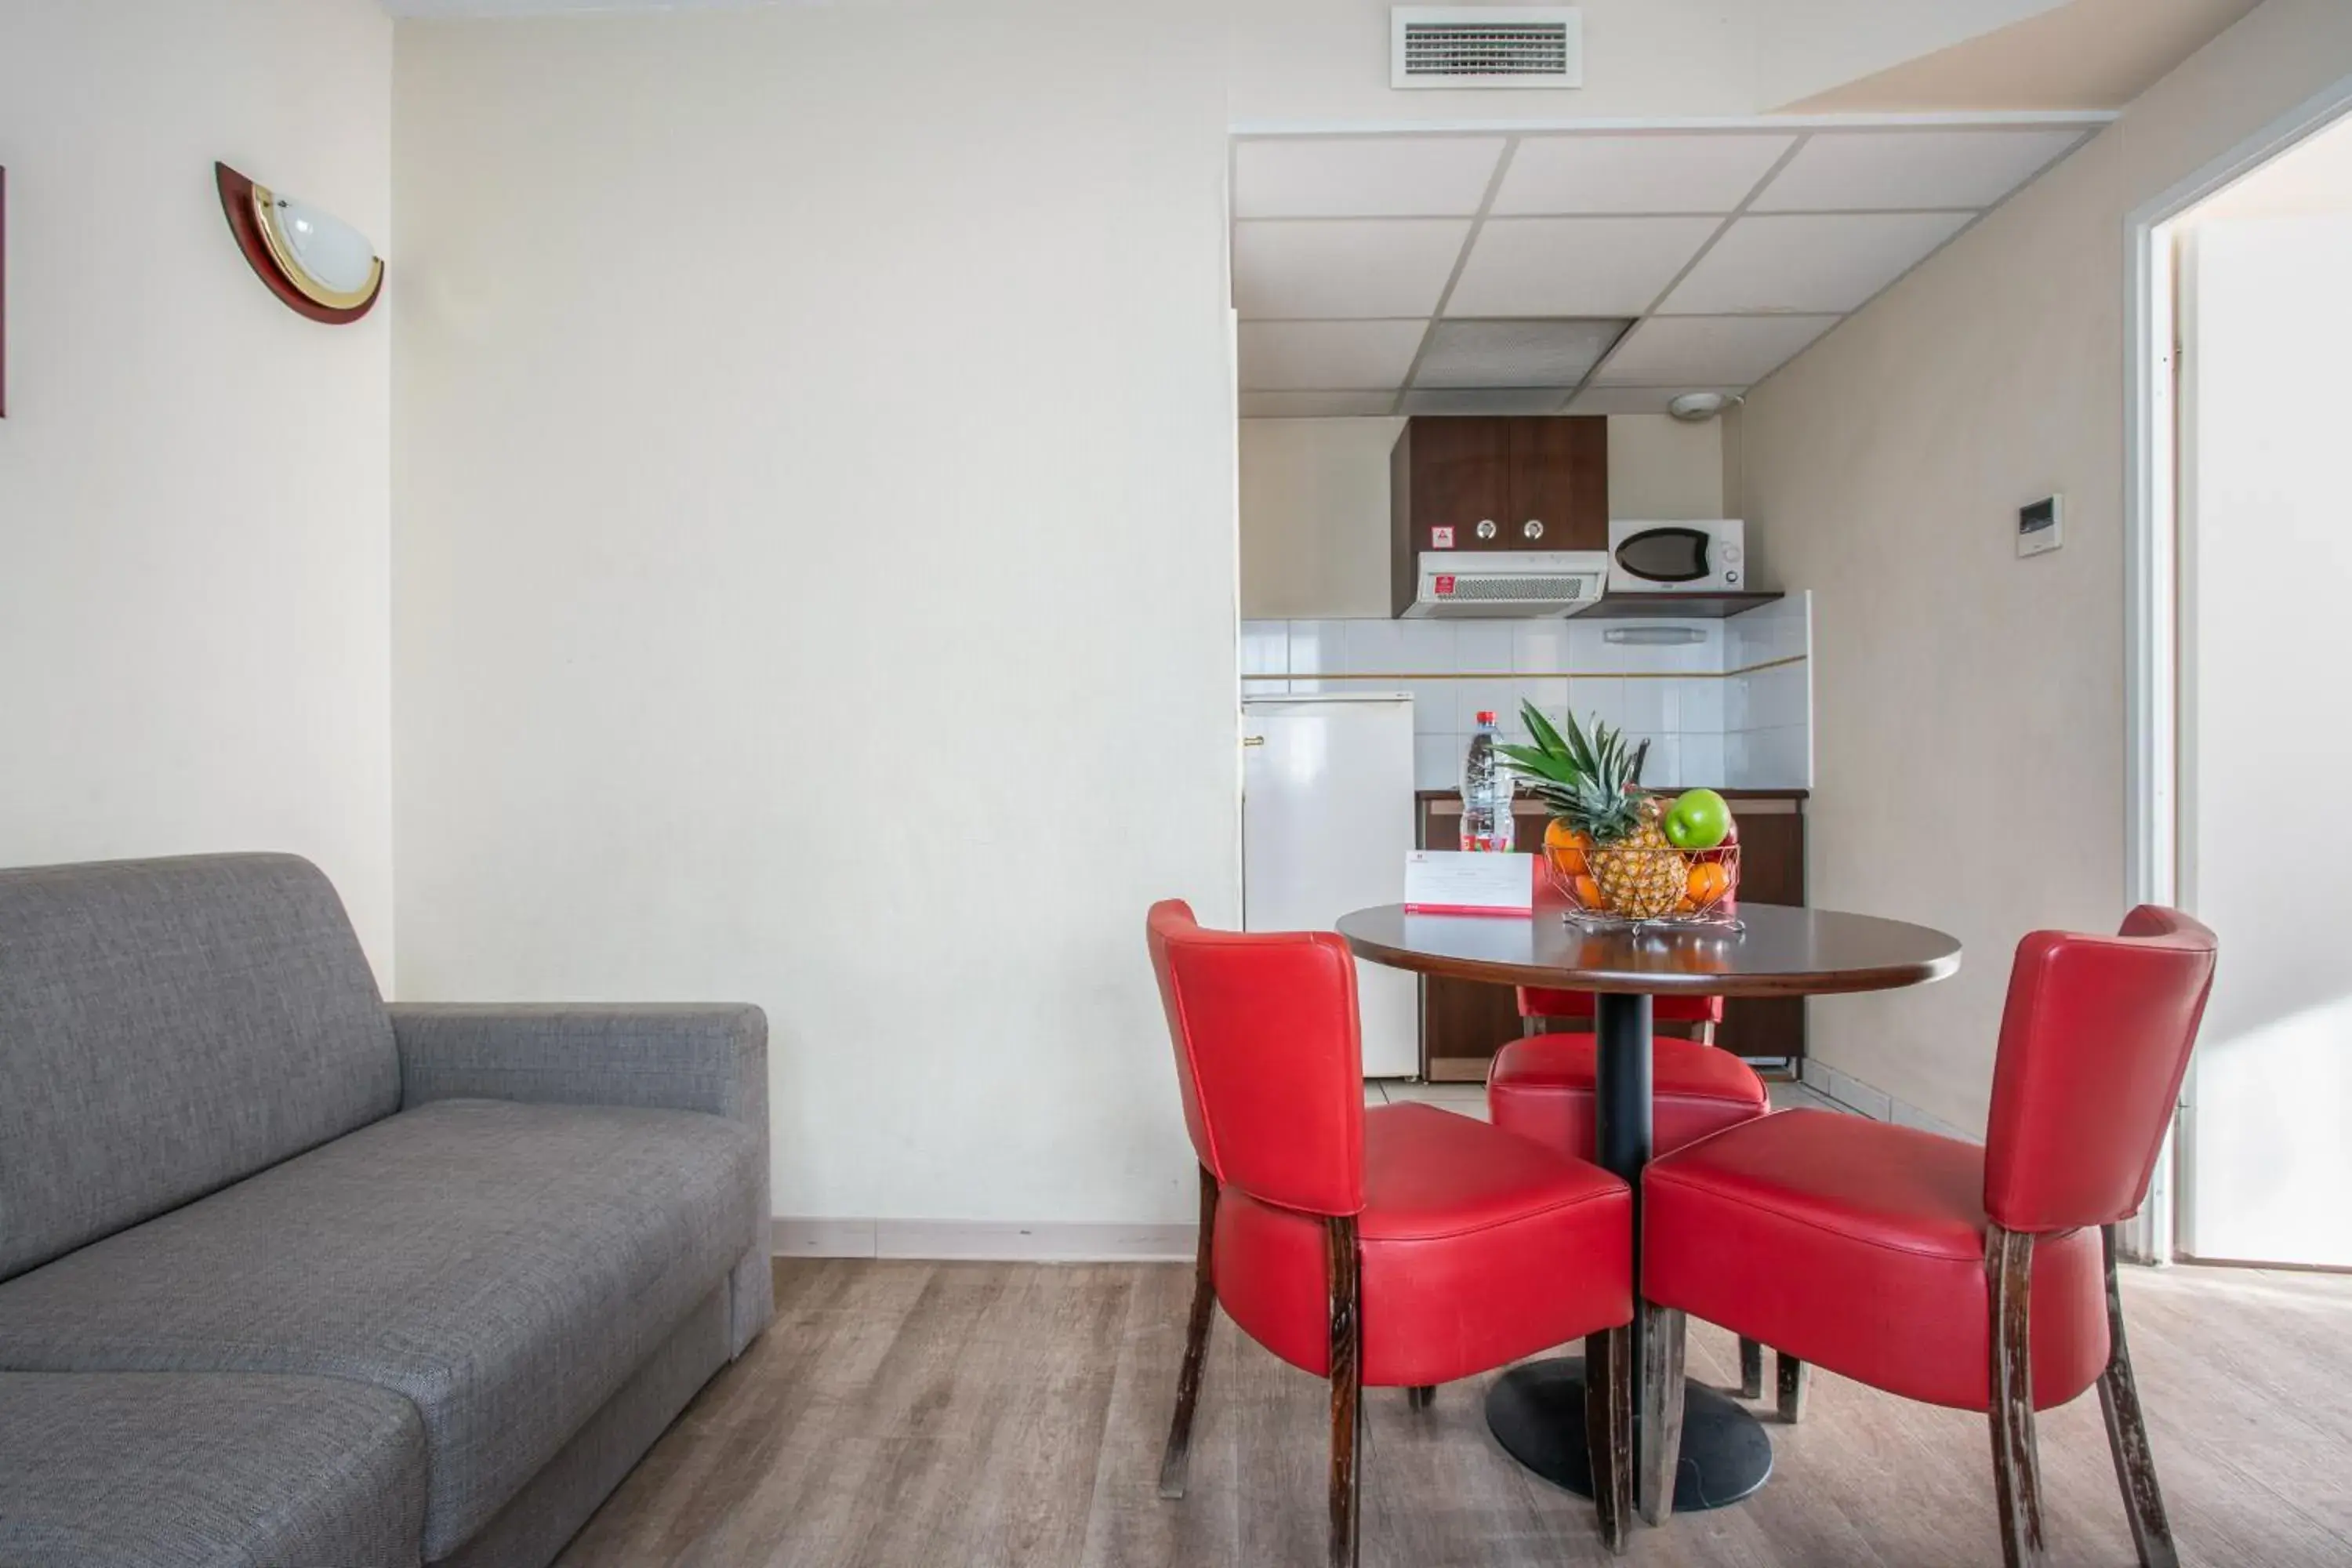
<point>1699,819</point>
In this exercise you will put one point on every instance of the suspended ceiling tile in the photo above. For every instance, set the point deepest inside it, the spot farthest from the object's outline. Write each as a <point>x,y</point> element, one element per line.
<point>1378,176</point>
<point>1636,174</point>
<point>1637,399</point>
<point>1575,266</point>
<point>1323,356</point>
<point>1810,264</point>
<point>1854,171</point>
<point>1315,405</point>
<point>1554,354</point>
<point>1682,352</point>
<point>1316,269</point>
<point>1484,400</point>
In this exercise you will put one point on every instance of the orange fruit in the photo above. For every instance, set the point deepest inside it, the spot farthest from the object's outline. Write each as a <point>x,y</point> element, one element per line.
<point>1587,892</point>
<point>1565,846</point>
<point>1708,882</point>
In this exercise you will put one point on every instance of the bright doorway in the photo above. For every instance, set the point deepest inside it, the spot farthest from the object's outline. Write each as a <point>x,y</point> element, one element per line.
<point>2251,306</point>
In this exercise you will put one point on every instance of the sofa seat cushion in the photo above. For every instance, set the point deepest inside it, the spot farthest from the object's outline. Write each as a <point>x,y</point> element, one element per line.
<point>505,1266</point>
<point>176,1470</point>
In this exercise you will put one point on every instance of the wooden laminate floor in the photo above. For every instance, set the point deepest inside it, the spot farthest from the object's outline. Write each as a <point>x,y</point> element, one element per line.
<point>903,1414</point>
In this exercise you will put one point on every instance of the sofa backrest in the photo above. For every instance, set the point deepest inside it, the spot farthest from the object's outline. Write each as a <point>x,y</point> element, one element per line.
<point>170,1026</point>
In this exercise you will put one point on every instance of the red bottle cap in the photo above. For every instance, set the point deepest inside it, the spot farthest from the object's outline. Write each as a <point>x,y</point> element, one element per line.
<point>1487,717</point>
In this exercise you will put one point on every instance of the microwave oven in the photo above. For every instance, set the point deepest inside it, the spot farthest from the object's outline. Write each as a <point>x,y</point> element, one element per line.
<point>1706,557</point>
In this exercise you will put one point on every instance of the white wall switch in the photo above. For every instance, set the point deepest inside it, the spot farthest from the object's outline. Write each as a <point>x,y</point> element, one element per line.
<point>2042,526</point>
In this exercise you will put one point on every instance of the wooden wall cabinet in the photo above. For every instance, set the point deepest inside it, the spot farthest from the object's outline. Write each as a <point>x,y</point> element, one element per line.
<point>1550,472</point>
<point>1463,1023</point>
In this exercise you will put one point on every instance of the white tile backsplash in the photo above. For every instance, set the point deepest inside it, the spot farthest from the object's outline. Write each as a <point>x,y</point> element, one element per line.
<point>1265,648</point>
<point>1589,650</point>
<point>1551,695</point>
<point>1699,705</point>
<point>1539,648</point>
<point>1702,758</point>
<point>1483,647</point>
<point>1433,707</point>
<point>1428,645</point>
<point>1601,697</point>
<point>1650,706</point>
<point>1373,648</point>
<point>1318,647</point>
<point>1710,724</point>
<point>1472,697</point>
<point>1437,761</point>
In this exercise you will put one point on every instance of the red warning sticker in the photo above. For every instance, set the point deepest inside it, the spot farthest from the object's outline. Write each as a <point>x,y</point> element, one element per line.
<point>1441,538</point>
<point>1446,585</point>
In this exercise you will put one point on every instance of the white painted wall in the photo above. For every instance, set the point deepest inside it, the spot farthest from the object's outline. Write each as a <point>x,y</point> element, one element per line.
<point>194,480</point>
<point>1315,503</point>
<point>1968,705</point>
<point>2266,748</point>
<point>815,565</point>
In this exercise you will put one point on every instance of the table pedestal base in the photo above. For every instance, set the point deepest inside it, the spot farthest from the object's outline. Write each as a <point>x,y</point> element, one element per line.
<point>1537,1413</point>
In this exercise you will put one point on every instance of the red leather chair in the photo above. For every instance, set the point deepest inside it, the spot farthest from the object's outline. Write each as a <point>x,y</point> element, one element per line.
<point>1402,1245</point>
<point>1978,1279</point>
<point>1541,1087</point>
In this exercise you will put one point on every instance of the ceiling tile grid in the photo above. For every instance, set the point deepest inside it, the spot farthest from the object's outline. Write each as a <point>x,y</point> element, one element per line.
<point>1575,266</point>
<point>1651,174</point>
<point>1598,271</point>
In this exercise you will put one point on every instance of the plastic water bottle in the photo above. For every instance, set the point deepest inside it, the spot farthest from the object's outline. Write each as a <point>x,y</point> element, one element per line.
<point>1486,792</point>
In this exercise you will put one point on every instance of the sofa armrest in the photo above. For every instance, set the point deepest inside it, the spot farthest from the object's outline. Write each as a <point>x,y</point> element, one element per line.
<point>713,1059</point>
<point>707,1058</point>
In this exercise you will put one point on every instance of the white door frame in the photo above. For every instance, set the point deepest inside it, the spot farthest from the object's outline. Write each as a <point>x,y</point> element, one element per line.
<point>2159,790</point>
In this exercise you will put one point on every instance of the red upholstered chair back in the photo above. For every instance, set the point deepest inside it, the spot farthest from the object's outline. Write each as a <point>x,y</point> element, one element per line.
<point>1267,1057</point>
<point>1537,1003</point>
<point>2094,1043</point>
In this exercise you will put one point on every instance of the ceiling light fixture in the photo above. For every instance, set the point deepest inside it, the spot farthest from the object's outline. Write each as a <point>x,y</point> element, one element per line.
<point>1698,407</point>
<point>321,266</point>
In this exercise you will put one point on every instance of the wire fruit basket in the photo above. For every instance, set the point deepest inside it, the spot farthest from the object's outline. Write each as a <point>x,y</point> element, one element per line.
<point>1629,884</point>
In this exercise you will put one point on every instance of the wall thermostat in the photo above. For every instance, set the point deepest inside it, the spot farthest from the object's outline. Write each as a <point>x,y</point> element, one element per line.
<point>2042,526</point>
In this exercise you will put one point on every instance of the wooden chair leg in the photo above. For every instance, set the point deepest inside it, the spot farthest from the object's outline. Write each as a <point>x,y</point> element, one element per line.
<point>1346,1344</point>
<point>1609,1431</point>
<point>1174,1462</point>
<point>1421,1396</point>
<point>1662,1410</point>
<point>1751,1369</point>
<point>2016,1463</point>
<point>2128,1434</point>
<point>1791,1379</point>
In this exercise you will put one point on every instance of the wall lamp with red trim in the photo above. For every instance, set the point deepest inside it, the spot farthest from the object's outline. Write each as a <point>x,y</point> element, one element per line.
<point>321,266</point>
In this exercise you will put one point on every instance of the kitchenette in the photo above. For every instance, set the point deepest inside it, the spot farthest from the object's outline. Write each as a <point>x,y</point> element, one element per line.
<point>1580,565</point>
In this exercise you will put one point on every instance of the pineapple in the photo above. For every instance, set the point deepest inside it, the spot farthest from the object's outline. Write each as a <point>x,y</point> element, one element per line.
<point>1644,876</point>
<point>1593,785</point>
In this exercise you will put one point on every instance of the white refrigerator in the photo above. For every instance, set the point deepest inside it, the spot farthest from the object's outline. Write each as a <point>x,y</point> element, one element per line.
<point>1327,821</point>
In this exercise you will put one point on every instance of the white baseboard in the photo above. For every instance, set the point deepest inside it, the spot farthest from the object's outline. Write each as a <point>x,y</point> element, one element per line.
<point>1085,1241</point>
<point>1008,1241</point>
<point>1863,1099</point>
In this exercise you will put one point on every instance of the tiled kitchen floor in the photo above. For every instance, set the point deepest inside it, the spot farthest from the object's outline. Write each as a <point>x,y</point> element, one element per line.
<point>1470,1099</point>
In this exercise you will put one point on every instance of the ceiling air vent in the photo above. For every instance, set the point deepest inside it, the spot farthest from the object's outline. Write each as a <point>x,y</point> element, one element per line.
<point>1485,45</point>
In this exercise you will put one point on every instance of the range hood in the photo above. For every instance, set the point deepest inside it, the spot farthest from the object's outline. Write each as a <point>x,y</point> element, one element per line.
<point>1465,585</point>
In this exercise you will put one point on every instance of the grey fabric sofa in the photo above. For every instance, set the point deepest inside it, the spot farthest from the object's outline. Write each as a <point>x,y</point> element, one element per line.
<point>289,1277</point>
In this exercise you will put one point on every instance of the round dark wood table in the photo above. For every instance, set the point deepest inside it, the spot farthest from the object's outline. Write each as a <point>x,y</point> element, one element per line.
<point>1537,1411</point>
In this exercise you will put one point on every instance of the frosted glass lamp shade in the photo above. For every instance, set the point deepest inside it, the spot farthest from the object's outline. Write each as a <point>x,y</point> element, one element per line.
<point>331,251</point>
<point>319,266</point>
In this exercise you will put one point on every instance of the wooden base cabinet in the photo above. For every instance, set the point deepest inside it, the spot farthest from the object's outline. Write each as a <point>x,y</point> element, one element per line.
<point>1463,1024</point>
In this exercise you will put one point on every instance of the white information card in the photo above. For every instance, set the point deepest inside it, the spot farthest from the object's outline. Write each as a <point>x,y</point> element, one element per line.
<point>1480,882</point>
